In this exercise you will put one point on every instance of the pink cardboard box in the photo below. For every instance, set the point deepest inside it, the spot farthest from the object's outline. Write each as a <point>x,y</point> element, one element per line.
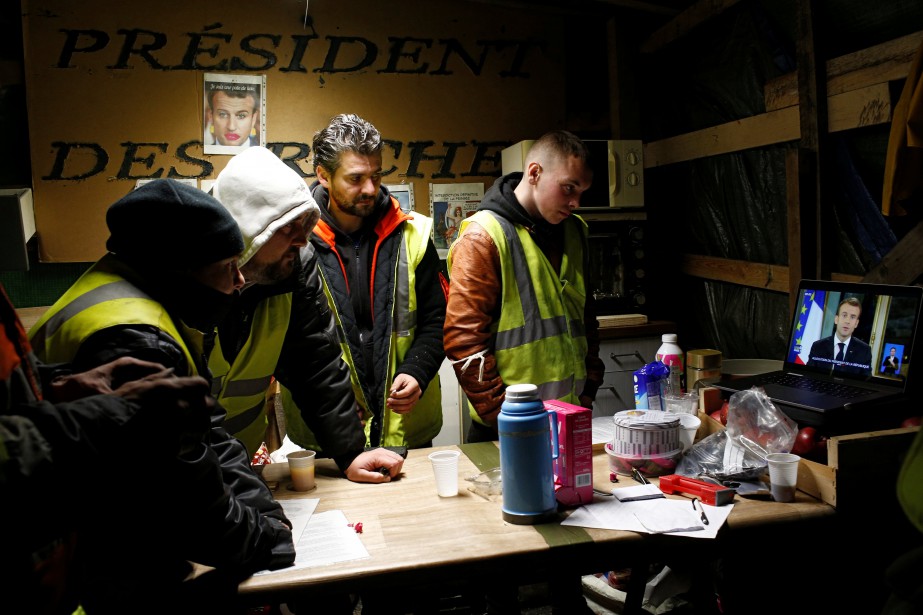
<point>573,469</point>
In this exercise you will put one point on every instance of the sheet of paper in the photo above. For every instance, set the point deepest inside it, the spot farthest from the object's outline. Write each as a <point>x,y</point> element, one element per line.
<point>327,539</point>
<point>669,520</point>
<point>603,429</point>
<point>299,513</point>
<point>611,514</point>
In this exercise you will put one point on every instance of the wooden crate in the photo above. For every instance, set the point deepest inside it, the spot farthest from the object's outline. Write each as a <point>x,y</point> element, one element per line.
<point>856,465</point>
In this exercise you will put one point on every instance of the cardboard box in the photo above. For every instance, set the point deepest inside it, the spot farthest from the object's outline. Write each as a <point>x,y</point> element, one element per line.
<point>573,469</point>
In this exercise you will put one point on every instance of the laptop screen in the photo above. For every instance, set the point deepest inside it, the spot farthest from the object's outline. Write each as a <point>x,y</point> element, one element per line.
<point>854,330</point>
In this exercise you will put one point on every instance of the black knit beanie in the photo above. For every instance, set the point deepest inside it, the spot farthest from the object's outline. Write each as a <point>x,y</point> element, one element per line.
<point>169,224</point>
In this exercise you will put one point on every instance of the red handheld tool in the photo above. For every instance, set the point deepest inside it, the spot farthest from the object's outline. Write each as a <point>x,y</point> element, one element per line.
<point>714,495</point>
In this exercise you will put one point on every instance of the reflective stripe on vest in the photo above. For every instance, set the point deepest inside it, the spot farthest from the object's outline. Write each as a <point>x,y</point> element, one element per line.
<point>540,337</point>
<point>99,299</point>
<point>425,422</point>
<point>405,300</point>
<point>241,387</point>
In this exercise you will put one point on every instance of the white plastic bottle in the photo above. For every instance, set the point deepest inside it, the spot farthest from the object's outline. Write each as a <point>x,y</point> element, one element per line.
<point>671,355</point>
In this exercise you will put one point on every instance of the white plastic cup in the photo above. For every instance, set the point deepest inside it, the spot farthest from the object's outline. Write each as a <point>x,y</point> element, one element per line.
<point>445,469</point>
<point>301,465</point>
<point>783,475</point>
<point>689,426</point>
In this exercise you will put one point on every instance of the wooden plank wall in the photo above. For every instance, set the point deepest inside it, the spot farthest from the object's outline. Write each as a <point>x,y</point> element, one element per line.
<point>857,95</point>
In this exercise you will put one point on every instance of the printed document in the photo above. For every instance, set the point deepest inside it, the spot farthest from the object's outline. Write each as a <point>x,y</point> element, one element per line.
<point>323,538</point>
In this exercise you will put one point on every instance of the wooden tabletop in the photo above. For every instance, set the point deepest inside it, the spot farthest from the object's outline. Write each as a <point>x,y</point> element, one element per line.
<point>414,537</point>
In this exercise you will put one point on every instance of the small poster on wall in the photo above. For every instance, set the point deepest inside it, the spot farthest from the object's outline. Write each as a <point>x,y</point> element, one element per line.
<point>404,195</point>
<point>449,204</point>
<point>234,112</point>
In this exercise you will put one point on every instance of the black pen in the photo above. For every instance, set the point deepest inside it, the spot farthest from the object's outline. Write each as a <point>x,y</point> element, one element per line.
<point>701,508</point>
<point>384,471</point>
<point>639,477</point>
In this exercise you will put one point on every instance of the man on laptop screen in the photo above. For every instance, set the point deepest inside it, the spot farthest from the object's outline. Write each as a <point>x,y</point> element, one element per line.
<point>820,386</point>
<point>841,352</point>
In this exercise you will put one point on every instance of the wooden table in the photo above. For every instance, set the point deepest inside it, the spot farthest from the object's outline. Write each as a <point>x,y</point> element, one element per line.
<point>416,538</point>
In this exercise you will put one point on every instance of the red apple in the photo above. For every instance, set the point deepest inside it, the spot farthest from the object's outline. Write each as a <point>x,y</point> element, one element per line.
<point>724,413</point>
<point>912,421</point>
<point>804,441</point>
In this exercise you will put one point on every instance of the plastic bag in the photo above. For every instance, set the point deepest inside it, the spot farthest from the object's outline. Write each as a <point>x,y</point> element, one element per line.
<point>755,428</point>
<point>755,423</point>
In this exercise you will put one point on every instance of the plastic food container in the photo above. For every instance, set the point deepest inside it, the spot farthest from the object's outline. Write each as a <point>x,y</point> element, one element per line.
<point>645,433</point>
<point>648,465</point>
<point>486,483</point>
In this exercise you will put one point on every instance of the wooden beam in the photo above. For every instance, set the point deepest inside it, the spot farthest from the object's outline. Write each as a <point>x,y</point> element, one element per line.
<point>764,276</point>
<point>757,131</point>
<point>855,109</point>
<point>858,96</point>
<point>858,108</point>
<point>685,22</point>
<point>845,277</point>
<point>644,7</point>
<point>793,224</point>
<point>889,61</point>
<point>903,264</point>
<point>744,273</point>
<point>812,118</point>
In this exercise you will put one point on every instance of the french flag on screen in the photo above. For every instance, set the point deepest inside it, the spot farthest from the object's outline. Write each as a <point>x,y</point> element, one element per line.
<point>807,331</point>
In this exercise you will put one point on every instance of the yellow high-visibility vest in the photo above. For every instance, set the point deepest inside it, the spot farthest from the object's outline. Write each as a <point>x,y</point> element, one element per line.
<point>241,387</point>
<point>540,337</point>
<point>425,422</point>
<point>102,298</point>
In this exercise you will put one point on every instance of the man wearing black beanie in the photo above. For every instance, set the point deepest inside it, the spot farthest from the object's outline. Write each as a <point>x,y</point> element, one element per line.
<point>170,274</point>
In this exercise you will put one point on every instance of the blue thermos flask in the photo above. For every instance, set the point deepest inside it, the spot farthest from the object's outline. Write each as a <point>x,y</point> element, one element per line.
<point>528,443</point>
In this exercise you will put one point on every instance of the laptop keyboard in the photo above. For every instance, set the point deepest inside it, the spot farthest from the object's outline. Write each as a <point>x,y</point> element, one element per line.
<point>836,389</point>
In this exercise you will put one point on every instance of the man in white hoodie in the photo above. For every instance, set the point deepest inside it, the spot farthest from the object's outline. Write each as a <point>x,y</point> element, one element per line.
<point>282,326</point>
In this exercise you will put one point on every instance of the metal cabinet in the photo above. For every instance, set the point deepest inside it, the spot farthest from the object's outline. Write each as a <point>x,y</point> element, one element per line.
<point>621,358</point>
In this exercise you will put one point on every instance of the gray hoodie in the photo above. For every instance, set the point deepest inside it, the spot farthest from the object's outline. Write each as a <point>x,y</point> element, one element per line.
<point>263,194</point>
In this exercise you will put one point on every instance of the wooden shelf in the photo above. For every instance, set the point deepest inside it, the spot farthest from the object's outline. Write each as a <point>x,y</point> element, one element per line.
<point>651,327</point>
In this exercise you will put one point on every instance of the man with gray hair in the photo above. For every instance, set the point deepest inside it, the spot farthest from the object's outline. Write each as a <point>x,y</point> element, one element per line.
<point>385,285</point>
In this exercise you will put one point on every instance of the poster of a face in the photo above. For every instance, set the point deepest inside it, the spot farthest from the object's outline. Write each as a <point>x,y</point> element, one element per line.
<point>234,115</point>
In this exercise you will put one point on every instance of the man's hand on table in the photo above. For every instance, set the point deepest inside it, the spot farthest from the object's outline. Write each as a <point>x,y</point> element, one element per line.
<point>375,466</point>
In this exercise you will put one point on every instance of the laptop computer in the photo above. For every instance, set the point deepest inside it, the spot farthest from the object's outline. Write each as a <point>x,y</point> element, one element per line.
<point>827,385</point>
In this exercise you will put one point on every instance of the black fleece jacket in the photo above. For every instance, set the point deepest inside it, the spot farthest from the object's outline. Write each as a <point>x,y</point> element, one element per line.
<point>310,365</point>
<point>368,332</point>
